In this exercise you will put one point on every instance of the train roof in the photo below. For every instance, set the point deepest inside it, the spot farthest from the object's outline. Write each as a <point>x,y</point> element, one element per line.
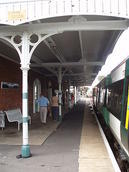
<point>103,81</point>
<point>120,64</point>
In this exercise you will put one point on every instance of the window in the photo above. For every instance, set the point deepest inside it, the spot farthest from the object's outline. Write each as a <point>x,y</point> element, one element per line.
<point>114,98</point>
<point>94,96</point>
<point>98,95</point>
<point>102,96</point>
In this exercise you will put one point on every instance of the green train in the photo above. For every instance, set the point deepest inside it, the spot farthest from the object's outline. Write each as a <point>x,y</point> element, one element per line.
<point>111,99</point>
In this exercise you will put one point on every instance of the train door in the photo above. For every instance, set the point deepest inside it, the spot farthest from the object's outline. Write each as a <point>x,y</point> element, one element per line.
<point>94,96</point>
<point>125,115</point>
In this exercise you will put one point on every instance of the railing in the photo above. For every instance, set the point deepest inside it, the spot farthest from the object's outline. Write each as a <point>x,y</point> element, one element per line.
<point>20,11</point>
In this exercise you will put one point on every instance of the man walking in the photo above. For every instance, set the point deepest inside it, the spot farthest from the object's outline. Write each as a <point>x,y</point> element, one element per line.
<point>43,103</point>
<point>55,107</point>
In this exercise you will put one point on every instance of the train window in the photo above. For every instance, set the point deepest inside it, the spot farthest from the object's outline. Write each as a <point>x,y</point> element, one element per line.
<point>114,98</point>
<point>102,96</point>
<point>97,97</point>
<point>94,96</point>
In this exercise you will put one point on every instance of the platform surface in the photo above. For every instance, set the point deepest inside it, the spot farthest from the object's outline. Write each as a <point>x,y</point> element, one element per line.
<point>93,155</point>
<point>75,146</point>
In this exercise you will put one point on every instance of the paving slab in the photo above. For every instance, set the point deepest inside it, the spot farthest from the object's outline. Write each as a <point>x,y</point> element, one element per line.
<point>93,155</point>
<point>60,151</point>
<point>38,132</point>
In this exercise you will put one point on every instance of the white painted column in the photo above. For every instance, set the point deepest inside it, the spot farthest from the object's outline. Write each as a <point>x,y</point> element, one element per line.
<point>25,104</point>
<point>75,94</point>
<point>25,151</point>
<point>60,92</point>
<point>69,95</point>
<point>25,147</point>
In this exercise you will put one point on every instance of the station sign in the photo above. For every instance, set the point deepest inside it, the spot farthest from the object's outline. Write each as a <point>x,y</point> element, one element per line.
<point>16,15</point>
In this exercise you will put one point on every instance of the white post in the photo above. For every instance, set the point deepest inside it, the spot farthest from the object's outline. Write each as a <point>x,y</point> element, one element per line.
<point>25,105</point>
<point>60,92</point>
<point>69,95</point>
<point>25,151</point>
<point>75,94</point>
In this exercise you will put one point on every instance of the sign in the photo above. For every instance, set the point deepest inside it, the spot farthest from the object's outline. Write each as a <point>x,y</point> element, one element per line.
<point>6,85</point>
<point>17,15</point>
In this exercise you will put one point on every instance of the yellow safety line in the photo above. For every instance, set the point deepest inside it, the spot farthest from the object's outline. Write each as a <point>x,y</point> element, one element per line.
<point>127,112</point>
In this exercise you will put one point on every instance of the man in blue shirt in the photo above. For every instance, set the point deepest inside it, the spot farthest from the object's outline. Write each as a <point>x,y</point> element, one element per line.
<point>43,103</point>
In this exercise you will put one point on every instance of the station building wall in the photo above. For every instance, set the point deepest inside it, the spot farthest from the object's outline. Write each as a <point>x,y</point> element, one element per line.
<point>11,98</point>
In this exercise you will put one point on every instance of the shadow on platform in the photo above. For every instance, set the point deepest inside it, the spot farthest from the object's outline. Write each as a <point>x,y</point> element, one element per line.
<point>38,132</point>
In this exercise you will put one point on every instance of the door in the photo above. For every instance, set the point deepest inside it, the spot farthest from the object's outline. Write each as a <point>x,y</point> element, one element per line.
<point>36,95</point>
<point>125,114</point>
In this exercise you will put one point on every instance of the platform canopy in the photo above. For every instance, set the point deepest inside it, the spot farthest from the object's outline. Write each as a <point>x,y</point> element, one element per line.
<point>76,35</point>
<point>80,45</point>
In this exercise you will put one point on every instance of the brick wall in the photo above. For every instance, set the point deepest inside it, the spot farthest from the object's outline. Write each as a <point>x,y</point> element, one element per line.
<point>12,98</point>
<point>10,72</point>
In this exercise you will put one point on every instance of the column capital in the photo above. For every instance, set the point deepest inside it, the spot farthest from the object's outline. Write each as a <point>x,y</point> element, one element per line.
<point>59,80</point>
<point>25,67</point>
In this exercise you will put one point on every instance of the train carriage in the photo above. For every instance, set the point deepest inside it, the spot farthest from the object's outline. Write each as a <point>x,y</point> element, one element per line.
<point>111,99</point>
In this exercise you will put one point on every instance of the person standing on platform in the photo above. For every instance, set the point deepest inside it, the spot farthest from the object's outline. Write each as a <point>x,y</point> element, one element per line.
<point>55,107</point>
<point>43,103</point>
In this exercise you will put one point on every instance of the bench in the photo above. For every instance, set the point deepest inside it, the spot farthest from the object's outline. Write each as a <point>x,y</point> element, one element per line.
<point>15,115</point>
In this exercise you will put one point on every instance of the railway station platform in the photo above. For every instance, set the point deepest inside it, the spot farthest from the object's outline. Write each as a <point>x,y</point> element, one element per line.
<point>93,155</point>
<point>38,132</point>
<point>75,146</point>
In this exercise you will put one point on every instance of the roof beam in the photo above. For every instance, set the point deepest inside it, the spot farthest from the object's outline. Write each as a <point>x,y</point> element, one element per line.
<point>79,74</point>
<point>50,43</point>
<point>56,51</point>
<point>83,52</point>
<point>65,26</point>
<point>39,62</point>
<point>9,58</point>
<point>70,74</point>
<point>68,64</point>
